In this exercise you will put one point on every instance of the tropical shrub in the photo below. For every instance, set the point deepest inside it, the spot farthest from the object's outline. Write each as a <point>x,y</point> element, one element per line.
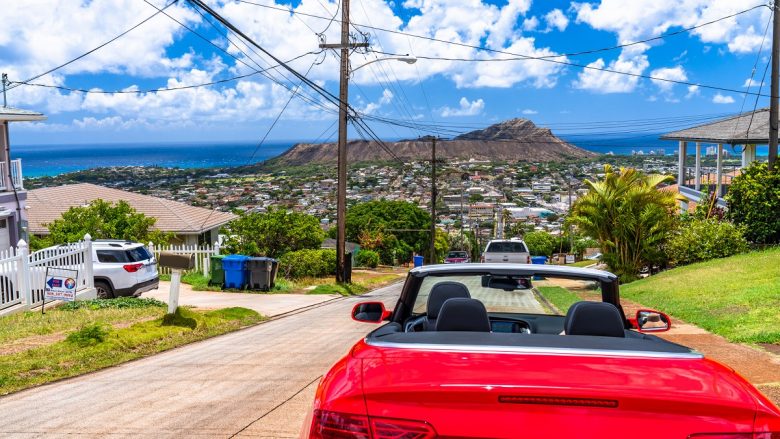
<point>540,243</point>
<point>395,229</point>
<point>367,258</point>
<point>629,216</point>
<point>273,233</point>
<point>754,202</point>
<point>102,220</point>
<point>308,263</point>
<point>703,239</point>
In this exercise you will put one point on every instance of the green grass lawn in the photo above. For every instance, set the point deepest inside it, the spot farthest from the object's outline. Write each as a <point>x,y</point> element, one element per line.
<point>559,296</point>
<point>584,263</point>
<point>85,339</point>
<point>736,297</point>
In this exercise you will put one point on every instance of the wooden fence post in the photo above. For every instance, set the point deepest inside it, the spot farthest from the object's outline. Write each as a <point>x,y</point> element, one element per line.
<point>25,288</point>
<point>89,276</point>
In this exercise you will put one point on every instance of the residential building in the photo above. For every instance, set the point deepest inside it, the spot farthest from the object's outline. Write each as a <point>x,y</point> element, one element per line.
<point>13,197</point>
<point>190,225</point>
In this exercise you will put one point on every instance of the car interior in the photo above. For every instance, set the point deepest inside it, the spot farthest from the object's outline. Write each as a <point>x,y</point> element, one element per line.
<point>453,316</point>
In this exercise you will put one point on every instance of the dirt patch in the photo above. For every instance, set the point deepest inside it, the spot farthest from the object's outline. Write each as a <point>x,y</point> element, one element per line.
<point>773,348</point>
<point>36,341</point>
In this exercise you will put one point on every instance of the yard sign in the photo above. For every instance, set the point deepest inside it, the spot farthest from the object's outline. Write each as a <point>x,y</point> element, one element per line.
<point>60,284</point>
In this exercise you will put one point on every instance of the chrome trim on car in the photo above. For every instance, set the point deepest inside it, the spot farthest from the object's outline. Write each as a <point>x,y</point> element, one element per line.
<point>526,350</point>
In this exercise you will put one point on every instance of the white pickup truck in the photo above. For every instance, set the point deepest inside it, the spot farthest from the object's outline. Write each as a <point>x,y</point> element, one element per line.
<point>506,250</point>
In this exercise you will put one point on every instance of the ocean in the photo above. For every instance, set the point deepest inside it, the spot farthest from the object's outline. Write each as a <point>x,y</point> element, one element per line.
<point>47,160</point>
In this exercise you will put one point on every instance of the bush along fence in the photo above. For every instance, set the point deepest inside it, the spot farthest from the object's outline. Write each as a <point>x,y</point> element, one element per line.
<point>203,254</point>
<point>23,274</point>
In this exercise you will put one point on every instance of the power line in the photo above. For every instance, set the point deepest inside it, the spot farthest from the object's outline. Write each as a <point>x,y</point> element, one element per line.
<point>98,47</point>
<point>546,58</point>
<point>157,90</point>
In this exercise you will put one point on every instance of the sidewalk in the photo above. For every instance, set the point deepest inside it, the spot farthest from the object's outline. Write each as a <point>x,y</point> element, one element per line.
<point>269,305</point>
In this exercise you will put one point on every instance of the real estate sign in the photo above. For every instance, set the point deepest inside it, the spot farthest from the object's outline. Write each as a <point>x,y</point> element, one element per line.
<point>60,284</point>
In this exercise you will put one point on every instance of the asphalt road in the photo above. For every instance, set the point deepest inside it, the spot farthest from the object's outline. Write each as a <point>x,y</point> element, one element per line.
<point>257,382</point>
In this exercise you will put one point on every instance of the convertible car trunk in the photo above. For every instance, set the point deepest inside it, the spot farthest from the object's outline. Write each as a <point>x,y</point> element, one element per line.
<point>538,393</point>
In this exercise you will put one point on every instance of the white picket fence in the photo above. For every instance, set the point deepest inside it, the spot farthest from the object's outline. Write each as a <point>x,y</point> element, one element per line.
<point>203,254</point>
<point>23,275</point>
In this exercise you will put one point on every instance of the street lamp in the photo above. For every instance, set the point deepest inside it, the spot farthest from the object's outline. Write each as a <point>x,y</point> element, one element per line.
<point>406,58</point>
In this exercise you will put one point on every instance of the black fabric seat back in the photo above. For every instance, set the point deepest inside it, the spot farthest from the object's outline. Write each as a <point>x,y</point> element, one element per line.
<point>594,318</point>
<point>439,294</point>
<point>463,315</point>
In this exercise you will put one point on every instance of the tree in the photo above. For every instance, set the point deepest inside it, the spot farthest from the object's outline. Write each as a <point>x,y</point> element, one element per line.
<point>474,198</point>
<point>754,202</point>
<point>540,243</point>
<point>629,216</point>
<point>102,220</point>
<point>404,228</point>
<point>273,233</point>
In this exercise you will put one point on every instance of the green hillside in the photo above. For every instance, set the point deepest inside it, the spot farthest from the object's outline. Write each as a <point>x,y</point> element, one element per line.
<point>736,297</point>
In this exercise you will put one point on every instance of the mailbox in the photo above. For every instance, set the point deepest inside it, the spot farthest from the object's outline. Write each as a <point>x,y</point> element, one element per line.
<point>177,261</point>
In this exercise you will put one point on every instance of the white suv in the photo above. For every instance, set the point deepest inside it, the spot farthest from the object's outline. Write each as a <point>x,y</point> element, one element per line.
<point>507,250</point>
<point>123,268</point>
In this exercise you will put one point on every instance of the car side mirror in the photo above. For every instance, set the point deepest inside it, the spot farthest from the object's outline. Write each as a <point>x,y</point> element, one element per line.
<point>370,312</point>
<point>648,320</point>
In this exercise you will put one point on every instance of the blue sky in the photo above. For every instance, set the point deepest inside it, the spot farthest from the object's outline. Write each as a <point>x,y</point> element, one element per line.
<point>160,53</point>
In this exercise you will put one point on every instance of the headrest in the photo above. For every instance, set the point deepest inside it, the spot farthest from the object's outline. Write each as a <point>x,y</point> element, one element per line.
<point>443,291</point>
<point>594,318</point>
<point>463,315</point>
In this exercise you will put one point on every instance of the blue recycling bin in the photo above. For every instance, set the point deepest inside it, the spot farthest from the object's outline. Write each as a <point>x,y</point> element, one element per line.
<point>235,271</point>
<point>539,260</point>
<point>418,261</point>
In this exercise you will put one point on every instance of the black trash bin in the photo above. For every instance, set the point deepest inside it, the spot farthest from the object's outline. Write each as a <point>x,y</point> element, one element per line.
<point>260,273</point>
<point>274,270</point>
<point>217,272</point>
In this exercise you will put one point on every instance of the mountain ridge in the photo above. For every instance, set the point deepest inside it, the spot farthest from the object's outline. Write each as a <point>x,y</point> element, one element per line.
<point>515,139</point>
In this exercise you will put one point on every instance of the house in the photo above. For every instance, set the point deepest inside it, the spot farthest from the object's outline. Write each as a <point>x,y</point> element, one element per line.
<point>745,130</point>
<point>190,225</point>
<point>13,197</point>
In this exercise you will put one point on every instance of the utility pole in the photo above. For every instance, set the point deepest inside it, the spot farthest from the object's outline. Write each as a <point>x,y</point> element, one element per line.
<point>5,81</point>
<point>773,100</point>
<point>433,200</point>
<point>341,189</point>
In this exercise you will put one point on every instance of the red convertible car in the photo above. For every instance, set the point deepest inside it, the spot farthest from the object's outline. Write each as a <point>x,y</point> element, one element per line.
<point>473,351</point>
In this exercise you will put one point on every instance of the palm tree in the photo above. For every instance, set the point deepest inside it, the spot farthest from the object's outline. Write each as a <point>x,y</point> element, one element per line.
<point>629,216</point>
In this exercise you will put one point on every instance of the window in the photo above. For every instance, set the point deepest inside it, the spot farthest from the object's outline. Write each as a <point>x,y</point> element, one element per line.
<point>507,247</point>
<point>117,256</point>
<point>3,223</point>
<point>138,254</point>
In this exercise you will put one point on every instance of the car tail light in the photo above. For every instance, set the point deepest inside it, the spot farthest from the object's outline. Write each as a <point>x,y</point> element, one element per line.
<point>482,258</point>
<point>528,259</point>
<point>132,268</point>
<point>333,425</point>
<point>754,435</point>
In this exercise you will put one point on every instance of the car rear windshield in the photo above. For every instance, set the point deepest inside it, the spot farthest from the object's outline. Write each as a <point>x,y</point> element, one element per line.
<point>123,256</point>
<point>507,247</point>
<point>501,294</point>
<point>457,255</point>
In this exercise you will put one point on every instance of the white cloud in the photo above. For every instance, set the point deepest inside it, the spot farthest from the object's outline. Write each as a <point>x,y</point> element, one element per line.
<point>722,99</point>
<point>386,98</point>
<point>529,111</point>
<point>633,20</point>
<point>530,24</point>
<point>693,90</point>
<point>750,82</point>
<point>670,73</point>
<point>465,108</point>
<point>556,19</point>
<point>631,60</point>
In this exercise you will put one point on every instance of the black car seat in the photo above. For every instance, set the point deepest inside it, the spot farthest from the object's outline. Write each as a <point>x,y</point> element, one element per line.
<point>440,293</point>
<point>594,318</point>
<point>463,315</point>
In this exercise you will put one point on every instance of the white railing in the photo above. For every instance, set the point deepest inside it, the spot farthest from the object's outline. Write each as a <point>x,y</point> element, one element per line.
<point>203,254</point>
<point>16,174</point>
<point>23,275</point>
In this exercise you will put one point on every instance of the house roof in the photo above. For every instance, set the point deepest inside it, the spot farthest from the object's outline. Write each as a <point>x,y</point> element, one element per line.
<point>47,204</point>
<point>745,128</point>
<point>18,115</point>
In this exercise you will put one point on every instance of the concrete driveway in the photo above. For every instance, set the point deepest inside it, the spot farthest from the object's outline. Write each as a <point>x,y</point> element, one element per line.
<point>269,305</point>
<point>257,382</point>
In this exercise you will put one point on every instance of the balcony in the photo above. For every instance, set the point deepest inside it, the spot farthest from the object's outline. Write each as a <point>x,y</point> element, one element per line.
<point>16,175</point>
